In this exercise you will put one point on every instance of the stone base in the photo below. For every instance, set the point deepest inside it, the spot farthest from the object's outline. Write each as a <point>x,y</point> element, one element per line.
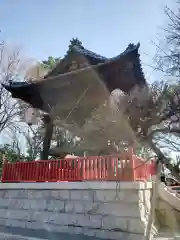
<point>102,210</point>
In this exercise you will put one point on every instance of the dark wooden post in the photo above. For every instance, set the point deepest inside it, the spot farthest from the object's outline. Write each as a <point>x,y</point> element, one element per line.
<point>48,125</point>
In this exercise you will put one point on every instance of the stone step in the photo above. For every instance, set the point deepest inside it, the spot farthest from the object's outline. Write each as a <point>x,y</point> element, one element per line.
<point>167,236</point>
<point>34,236</point>
<point>8,236</point>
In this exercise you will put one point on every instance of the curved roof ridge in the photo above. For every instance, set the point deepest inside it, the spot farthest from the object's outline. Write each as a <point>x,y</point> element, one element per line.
<point>89,53</point>
<point>131,48</point>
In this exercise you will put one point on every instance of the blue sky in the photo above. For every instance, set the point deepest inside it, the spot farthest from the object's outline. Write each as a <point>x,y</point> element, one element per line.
<point>44,28</point>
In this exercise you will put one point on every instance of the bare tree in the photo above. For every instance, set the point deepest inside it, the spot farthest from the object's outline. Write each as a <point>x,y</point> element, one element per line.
<point>13,150</point>
<point>25,141</point>
<point>34,142</point>
<point>12,68</point>
<point>153,113</point>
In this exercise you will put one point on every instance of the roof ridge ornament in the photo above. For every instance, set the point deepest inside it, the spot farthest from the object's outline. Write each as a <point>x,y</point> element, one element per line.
<point>132,46</point>
<point>75,42</point>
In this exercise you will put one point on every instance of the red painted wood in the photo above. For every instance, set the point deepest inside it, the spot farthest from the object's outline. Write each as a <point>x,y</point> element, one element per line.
<point>123,167</point>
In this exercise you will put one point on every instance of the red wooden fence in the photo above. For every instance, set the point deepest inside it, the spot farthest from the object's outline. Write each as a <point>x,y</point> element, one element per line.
<point>108,168</point>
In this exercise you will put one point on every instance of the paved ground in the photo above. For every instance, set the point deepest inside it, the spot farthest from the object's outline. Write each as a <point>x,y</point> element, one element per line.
<point>41,234</point>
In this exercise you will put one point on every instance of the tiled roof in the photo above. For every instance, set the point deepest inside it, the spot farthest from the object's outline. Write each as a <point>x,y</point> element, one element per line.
<point>88,53</point>
<point>131,48</point>
<point>15,84</point>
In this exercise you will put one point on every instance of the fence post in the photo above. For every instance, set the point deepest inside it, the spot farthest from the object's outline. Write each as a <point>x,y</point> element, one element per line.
<point>132,159</point>
<point>37,171</point>
<point>130,151</point>
<point>4,164</point>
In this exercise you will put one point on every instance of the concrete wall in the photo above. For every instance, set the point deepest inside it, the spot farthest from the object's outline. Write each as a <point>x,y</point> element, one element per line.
<point>104,209</point>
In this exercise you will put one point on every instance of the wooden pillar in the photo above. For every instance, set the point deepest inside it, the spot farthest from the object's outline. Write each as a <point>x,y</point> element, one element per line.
<point>48,125</point>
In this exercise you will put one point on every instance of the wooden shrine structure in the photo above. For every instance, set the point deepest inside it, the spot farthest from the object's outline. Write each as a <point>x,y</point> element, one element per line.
<point>75,94</point>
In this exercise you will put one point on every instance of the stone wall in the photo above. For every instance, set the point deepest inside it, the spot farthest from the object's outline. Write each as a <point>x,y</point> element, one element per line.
<point>102,209</point>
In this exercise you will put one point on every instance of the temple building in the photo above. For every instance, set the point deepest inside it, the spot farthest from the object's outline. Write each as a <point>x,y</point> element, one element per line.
<point>75,94</point>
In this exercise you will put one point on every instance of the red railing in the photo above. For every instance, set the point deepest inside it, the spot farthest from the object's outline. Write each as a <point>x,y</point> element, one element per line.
<point>107,168</point>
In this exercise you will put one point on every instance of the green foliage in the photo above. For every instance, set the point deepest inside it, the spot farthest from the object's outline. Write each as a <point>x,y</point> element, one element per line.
<point>10,154</point>
<point>50,63</point>
<point>143,152</point>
